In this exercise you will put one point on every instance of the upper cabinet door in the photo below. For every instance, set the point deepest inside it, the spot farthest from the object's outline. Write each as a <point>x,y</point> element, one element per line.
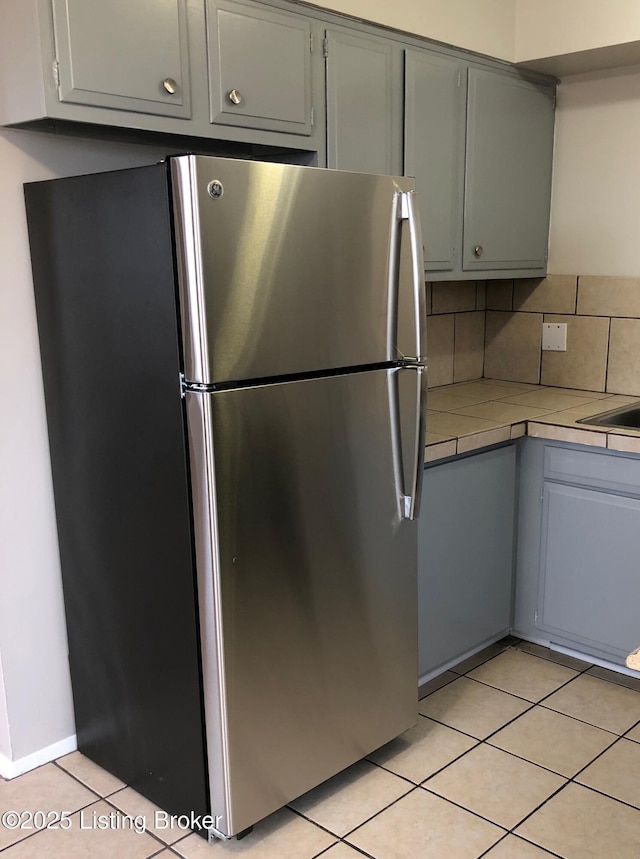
<point>508,172</point>
<point>123,55</point>
<point>364,103</point>
<point>259,67</point>
<point>434,151</point>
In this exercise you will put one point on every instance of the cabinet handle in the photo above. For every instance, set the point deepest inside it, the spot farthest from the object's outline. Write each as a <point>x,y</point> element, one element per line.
<point>170,86</point>
<point>477,251</point>
<point>234,97</point>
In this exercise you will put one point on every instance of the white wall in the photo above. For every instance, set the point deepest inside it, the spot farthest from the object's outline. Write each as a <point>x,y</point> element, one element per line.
<point>595,207</point>
<point>5,737</point>
<point>32,630</point>
<point>486,26</point>
<point>548,28</point>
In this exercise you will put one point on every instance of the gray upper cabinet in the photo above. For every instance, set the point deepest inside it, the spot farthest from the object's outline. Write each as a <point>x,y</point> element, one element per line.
<point>509,151</point>
<point>259,67</point>
<point>434,151</point>
<point>364,103</point>
<point>123,55</point>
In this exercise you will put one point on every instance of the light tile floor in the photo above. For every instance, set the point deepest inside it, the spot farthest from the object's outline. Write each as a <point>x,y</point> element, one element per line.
<point>519,753</point>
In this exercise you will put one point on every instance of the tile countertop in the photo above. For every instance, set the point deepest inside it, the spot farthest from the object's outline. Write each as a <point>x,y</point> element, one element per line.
<point>472,415</point>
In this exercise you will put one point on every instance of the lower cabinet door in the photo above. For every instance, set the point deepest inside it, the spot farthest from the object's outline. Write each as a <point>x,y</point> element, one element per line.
<point>589,589</point>
<point>465,556</point>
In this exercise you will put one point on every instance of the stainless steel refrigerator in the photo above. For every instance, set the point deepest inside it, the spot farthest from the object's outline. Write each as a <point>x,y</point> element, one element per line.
<point>234,366</point>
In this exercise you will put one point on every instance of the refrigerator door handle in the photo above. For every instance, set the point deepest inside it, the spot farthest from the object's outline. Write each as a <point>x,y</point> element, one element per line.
<point>410,212</point>
<point>408,436</point>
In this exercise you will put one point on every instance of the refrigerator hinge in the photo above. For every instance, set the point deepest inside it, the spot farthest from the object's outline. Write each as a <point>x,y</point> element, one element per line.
<point>193,387</point>
<point>215,835</point>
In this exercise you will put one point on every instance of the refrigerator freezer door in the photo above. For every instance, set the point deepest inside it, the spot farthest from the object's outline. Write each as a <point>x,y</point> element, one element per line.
<point>306,584</point>
<point>286,270</point>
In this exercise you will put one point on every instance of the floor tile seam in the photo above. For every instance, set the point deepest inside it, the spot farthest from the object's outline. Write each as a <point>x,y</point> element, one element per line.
<point>309,820</point>
<point>584,722</point>
<point>505,829</point>
<point>586,766</point>
<point>174,844</point>
<point>78,780</point>
<point>480,664</point>
<point>587,667</point>
<point>513,755</point>
<point>539,700</point>
<point>520,838</point>
<point>346,835</point>
<point>515,648</point>
<point>550,709</point>
<point>445,725</point>
<point>615,682</point>
<point>451,728</point>
<point>358,850</point>
<point>71,813</point>
<point>147,831</point>
<point>551,796</point>
<point>498,689</point>
<point>546,768</point>
<point>392,772</point>
<point>637,724</point>
<point>453,761</point>
<point>602,793</point>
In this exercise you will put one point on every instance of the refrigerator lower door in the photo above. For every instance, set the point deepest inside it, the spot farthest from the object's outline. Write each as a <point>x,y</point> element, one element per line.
<point>306,582</point>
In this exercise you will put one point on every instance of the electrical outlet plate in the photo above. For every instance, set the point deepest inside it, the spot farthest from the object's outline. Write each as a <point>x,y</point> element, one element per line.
<point>554,336</point>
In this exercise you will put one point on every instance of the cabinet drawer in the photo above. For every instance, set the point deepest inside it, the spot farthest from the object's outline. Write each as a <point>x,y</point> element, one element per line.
<point>602,470</point>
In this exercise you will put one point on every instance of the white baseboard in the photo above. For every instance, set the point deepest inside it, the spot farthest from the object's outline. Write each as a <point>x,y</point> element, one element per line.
<point>11,769</point>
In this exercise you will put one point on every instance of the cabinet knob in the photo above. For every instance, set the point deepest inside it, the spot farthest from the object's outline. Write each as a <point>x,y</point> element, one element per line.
<point>170,86</point>
<point>477,251</point>
<point>234,97</point>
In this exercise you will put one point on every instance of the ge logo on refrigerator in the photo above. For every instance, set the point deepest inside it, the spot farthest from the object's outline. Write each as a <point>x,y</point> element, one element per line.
<point>215,189</point>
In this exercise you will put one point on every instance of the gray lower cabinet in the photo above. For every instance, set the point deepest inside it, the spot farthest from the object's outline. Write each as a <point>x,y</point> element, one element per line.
<point>509,150</point>
<point>126,56</point>
<point>578,583</point>
<point>259,67</point>
<point>465,556</point>
<point>364,102</point>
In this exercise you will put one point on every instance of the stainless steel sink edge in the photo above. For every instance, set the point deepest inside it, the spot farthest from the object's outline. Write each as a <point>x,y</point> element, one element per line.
<point>626,417</point>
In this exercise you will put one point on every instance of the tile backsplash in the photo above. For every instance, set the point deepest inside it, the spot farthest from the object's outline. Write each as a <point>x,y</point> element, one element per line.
<point>455,331</point>
<point>494,330</point>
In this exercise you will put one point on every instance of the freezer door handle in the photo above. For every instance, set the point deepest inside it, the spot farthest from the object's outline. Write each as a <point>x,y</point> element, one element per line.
<point>409,212</point>
<point>408,409</point>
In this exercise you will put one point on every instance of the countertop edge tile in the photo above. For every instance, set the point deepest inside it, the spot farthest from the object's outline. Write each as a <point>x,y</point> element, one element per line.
<point>553,426</point>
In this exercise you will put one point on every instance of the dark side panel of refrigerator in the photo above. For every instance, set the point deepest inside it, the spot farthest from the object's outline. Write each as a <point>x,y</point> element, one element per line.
<point>104,281</point>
